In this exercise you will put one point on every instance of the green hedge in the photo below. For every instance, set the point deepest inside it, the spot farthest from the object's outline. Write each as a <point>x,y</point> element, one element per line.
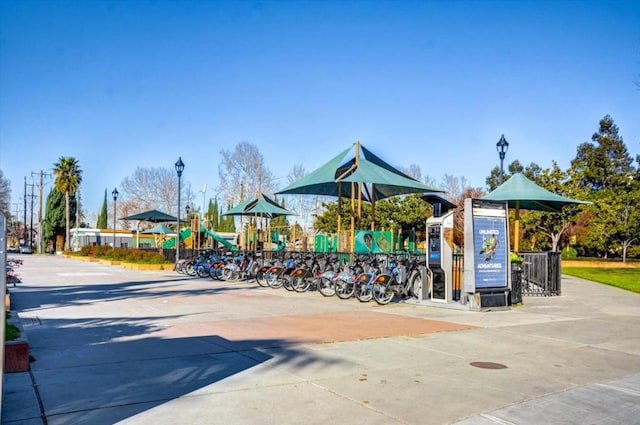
<point>126,255</point>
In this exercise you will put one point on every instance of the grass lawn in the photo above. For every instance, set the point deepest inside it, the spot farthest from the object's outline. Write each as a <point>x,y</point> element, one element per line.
<point>624,278</point>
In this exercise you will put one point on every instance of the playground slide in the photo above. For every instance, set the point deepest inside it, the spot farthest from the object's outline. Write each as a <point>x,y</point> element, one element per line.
<point>222,240</point>
<point>186,234</point>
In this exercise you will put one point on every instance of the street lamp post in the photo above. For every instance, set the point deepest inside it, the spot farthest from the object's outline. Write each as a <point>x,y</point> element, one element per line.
<point>179,169</point>
<point>502,146</point>
<point>115,198</point>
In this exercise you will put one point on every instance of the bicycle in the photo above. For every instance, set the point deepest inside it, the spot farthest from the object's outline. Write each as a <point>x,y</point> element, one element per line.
<point>325,282</point>
<point>401,281</point>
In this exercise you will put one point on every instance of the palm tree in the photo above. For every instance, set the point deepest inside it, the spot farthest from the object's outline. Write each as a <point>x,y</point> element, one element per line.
<point>68,178</point>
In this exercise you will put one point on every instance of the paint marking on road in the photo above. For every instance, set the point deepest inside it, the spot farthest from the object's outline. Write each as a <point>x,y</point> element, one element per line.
<point>496,420</point>
<point>84,274</point>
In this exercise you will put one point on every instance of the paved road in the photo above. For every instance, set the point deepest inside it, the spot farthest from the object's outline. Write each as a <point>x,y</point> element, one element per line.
<point>115,345</point>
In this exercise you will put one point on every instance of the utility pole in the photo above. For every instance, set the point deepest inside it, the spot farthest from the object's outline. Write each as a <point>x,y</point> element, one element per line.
<point>24,222</point>
<point>31,221</point>
<point>42,175</point>
<point>28,238</point>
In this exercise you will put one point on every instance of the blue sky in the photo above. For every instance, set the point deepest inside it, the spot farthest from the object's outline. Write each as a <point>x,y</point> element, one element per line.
<point>121,84</point>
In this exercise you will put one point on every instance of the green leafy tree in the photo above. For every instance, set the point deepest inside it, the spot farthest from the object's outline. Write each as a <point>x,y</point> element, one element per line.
<point>53,224</point>
<point>226,223</point>
<point>604,171</point>
<point>281,223</point>
<point>68,178</point>
<point>102,218</point>
<point>494,179</point>
<point>212,218</point>
<point>549,228</point>
<point>407,212</point>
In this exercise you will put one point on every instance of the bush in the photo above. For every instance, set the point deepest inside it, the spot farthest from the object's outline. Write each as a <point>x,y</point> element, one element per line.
<point>127,255</point>
<point>569,252</point>
<point>11,332</point>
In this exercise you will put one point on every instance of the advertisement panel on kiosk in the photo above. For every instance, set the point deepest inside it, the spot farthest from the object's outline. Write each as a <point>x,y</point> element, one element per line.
<point>486,276</point>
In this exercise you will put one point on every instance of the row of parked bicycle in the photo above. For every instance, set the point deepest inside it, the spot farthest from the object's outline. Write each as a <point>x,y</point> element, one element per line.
<point>379,277</point>
<point>11,272</point>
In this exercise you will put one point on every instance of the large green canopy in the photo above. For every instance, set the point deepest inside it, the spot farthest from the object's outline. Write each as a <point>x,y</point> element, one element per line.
<point>521,192</point>
<point>357,165</point>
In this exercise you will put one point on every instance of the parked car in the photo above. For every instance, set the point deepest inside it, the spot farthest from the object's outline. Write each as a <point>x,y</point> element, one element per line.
<point>25,249</point>
<point>13,249</point>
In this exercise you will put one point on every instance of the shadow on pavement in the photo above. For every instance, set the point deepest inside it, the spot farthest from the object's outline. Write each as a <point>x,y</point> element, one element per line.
<point>101,371</point>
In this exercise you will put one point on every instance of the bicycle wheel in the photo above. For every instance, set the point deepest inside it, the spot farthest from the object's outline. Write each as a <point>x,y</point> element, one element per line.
<point>274,280</point>
<point>201,271</point>
<point>287,281</point>
<point>326,286</point>
<point>382,293</point>
<point>363,292</point>
<point>302,283</point>
<point>415,285</point>
<point>261,278</point>
<point>344,289</point>
<point>229,274</point>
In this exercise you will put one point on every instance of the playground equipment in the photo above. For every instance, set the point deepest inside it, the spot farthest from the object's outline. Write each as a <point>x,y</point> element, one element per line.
<point>186,234</point>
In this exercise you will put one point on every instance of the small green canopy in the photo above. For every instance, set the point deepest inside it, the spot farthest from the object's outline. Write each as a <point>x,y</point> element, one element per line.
<point>159,229</point>
<point>521,192</point>
<point>262,206</point>
<point>239,209</point>
<point>153,216</point>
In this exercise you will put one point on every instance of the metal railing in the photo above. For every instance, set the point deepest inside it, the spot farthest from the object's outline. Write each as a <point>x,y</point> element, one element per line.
<point>541,273</point>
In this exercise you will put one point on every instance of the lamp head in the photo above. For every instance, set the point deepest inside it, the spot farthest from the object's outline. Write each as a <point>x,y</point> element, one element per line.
<point>502,146</point>
<point>115,194</point>
<point>179,166</point>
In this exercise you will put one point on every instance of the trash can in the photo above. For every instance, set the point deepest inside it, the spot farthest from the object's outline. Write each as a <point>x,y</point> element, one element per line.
<point>516,283</point>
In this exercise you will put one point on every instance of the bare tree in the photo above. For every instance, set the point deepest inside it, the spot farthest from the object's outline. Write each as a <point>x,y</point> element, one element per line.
<point>454,186</point>
<point>413,171</point>
<point>243,174</point>
<point>153,188</point>
<point>304,205</point>
<point>5,194</point>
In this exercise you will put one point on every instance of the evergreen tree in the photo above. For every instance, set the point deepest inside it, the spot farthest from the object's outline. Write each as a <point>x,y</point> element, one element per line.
<point>604,171</point>
<point>103,217</point>
<point>53,224</point>
<point>280,224</point>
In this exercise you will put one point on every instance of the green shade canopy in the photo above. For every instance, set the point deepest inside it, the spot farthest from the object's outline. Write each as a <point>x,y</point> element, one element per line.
<point>322,181</point>
<point>262,206</point>
<point>239,209</point>
<point>159,229</point>
<point>153,216</point>
<point>520,192</point>
<point>357,165</point>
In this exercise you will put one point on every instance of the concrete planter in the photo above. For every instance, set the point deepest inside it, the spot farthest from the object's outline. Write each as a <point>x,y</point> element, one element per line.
<point>135,266</point>
<point>605,264</point>
<point>16,352</point>
<point>110,262</point>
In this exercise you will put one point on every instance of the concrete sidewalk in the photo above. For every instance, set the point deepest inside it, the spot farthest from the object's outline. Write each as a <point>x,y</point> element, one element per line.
<point>116,345</point>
